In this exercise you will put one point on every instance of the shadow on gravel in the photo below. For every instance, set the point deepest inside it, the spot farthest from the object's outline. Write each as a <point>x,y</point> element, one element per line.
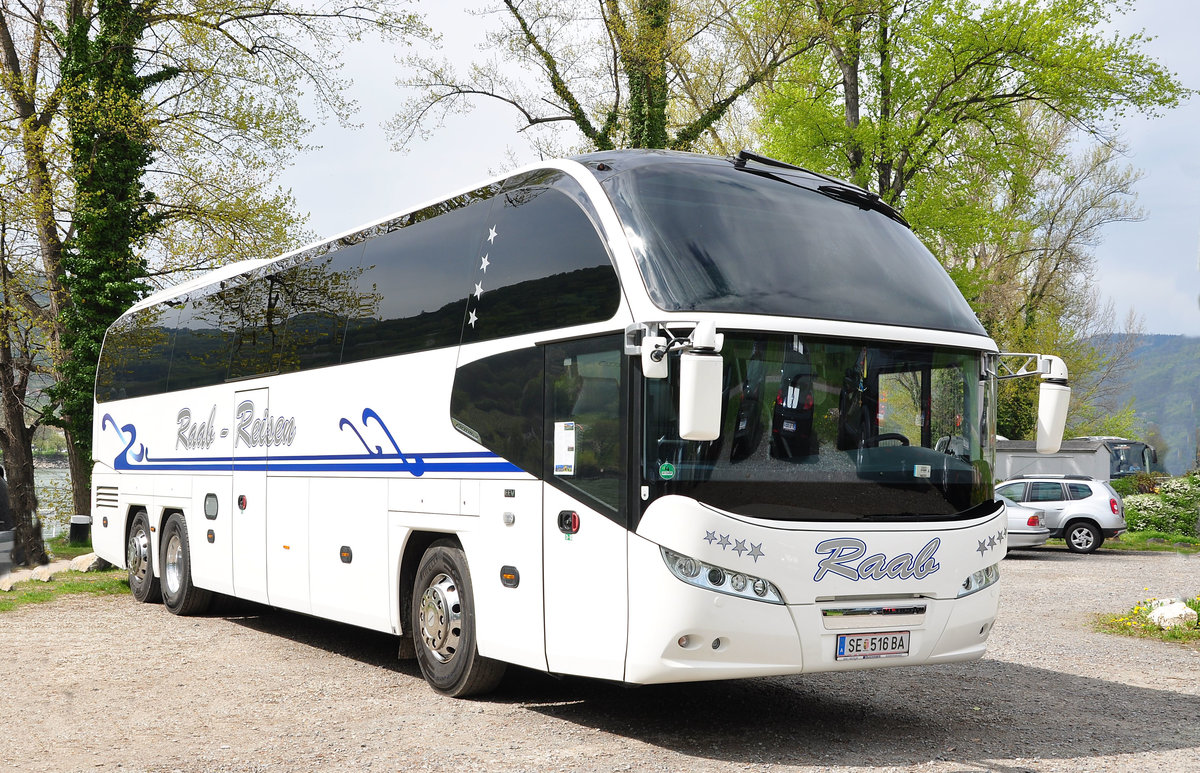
<point>972,713</point>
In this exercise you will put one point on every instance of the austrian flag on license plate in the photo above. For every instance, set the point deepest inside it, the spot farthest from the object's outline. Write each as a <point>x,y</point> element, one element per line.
<point>857,646</point>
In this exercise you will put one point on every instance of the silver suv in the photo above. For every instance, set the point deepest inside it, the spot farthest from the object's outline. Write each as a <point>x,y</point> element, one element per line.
<point>1081,510</point>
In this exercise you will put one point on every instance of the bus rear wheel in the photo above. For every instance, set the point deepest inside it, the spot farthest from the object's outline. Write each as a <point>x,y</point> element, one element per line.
<point>180,596</point>
<point>443,625</point>
<point>139,558</point>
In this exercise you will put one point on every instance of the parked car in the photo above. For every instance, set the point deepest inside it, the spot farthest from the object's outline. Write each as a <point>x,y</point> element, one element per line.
<point>6,547</point>
<point>1026,525</point>
<point>1082,510</point>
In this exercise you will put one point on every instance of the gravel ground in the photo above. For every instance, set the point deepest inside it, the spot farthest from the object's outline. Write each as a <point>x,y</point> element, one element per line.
<point>104,684</point>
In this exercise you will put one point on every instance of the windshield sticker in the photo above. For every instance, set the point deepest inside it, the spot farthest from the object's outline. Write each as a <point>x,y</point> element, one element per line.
<point>843,554</point>
<point>666,471</point>
<point>564,448</point>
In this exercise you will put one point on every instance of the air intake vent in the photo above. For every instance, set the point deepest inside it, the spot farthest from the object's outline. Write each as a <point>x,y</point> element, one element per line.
<point>106,496</point>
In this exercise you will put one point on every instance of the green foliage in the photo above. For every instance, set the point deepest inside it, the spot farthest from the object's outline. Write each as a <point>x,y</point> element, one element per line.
<point>1174,507</point>
<point>110,149</point>
<point>895,91</point>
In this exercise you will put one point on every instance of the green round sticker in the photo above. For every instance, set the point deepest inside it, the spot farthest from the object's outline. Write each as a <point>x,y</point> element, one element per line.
<point>666,471</point>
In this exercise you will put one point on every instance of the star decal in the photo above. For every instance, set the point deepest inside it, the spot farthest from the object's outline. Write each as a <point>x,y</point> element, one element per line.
<point>472,319</point>
<point>740,547</point>
<point>724,541</point>
<point>756,551</point>
<point>484,263</point>
<point>991,542</point>
<point>478,289</point>
<point>982,547</point>
<point>491,234</point>
<point>710,537</point>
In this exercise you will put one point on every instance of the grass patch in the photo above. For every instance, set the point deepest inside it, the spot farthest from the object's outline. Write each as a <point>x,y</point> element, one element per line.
<point>1136,622</point>
<point>1154,540</point>
<point>110,583</point>
<point>61,548</point>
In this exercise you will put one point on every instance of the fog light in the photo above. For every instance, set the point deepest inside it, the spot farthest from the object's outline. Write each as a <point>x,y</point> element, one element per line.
<point>688,567</point>
<point>684,641</point>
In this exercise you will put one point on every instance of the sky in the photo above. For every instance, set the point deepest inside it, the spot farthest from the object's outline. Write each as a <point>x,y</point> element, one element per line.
<point>1150,267</point>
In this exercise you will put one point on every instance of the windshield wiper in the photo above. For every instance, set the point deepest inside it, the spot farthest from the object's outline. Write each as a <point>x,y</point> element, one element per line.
<point>836,189</point>
<point>863,199</point>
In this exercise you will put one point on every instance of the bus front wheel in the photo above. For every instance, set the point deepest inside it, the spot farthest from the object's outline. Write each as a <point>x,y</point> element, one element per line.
<point>180,596</point>
<point>139,558</point>
<point>443,625</point>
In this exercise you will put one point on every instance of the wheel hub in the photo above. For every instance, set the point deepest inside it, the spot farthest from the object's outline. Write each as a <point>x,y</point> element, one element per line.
<point>173,565</point>
<point>137,553</point>
<point>441,618</point>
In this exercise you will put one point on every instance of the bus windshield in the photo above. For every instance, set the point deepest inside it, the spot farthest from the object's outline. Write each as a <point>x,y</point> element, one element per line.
<point>820,429</point>
<point>708,237</point>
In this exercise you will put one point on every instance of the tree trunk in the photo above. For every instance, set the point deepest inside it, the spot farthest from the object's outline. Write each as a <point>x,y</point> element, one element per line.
<point>16,441</point>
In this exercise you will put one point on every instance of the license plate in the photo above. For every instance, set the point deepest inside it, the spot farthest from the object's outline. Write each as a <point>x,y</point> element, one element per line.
<point>859,646</point>
<point>789,426</point>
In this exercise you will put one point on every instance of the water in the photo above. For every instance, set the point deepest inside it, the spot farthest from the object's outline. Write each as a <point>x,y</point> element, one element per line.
<point>53,487</point>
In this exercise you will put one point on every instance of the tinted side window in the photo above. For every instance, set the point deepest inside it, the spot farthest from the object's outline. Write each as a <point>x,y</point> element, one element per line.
<point>1079,490</point>
<point>585,437</point>
<point>1045,492</point>
<point>497,401</point>
<point>542,266</point>
<point>136,354</point>
<point>206,327</point>
<point>321,295</point>
<point>1014,491</point>
<point>417,280</point>
<point>260,326</point>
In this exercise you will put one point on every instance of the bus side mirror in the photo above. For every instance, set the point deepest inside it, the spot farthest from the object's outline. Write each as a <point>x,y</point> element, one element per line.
<point>700,393</point>
<point>1053,399</point>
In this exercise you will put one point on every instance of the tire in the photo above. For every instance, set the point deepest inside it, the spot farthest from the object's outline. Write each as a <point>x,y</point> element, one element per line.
<point>179,595</point>
<point>443,625</point>
<point>1083,537</point>
<point>139,557</point>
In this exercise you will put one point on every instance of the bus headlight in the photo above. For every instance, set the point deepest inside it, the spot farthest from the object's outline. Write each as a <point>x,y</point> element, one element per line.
<point>980,580</point>
<point>720,580</point>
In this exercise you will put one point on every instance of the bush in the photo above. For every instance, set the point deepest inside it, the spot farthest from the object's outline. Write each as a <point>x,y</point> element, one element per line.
<point>1138,483</point>
<point>1174,509</point>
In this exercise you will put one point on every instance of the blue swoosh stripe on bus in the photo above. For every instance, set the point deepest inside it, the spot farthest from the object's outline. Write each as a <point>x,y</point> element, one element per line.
<point>340,463</point>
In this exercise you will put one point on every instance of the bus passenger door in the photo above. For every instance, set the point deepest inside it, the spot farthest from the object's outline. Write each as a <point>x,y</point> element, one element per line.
<point>585,540</point>
<point>249,497</point>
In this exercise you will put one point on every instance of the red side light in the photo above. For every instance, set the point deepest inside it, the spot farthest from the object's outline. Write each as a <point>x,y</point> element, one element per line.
<point>1115,507</point>
<point>1034,520</point>
<point>808,402</point>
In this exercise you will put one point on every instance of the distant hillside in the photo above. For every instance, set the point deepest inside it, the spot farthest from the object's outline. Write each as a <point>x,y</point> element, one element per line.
<point>1165,383</point>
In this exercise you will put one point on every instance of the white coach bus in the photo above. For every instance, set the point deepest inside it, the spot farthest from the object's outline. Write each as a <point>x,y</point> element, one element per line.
<point>639,416</point>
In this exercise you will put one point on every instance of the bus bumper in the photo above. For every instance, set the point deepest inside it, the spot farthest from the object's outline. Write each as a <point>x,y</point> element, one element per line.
<point>680,633</point>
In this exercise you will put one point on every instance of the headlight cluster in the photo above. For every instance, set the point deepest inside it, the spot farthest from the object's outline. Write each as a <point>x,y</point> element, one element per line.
<point>714,578</point>
<point>980,580</point>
